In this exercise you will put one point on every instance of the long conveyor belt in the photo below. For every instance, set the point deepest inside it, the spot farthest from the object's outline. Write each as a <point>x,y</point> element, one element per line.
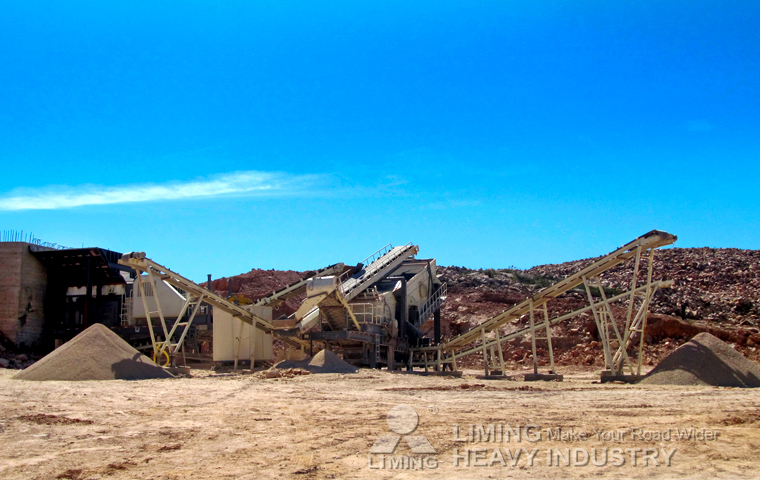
<point>137,261</point>
<point>476,340</point>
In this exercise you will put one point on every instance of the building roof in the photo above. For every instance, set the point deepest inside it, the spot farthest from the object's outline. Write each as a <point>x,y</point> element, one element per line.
<point>71,265</point>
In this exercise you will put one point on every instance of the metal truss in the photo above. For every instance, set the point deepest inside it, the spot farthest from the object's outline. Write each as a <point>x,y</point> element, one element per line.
<point>615,334</point>
<point>195,295</point>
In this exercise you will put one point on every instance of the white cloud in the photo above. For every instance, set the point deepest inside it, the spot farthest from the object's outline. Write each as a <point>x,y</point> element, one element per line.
<point>246,183</point>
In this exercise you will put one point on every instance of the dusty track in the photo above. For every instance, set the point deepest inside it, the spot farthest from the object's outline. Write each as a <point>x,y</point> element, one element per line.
<point>322,426</point>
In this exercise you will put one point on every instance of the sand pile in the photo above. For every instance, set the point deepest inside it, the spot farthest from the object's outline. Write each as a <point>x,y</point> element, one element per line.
<point>327,362</point>
<point>95,354</point>
<point>323,362</point>
<point>705,360</point>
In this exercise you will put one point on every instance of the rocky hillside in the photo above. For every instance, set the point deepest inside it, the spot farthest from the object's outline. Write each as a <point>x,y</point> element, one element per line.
<point>259,283</point>
<point>715,284</point>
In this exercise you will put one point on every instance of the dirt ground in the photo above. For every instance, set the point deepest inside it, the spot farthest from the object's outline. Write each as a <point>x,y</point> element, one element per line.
<point>323,426</point>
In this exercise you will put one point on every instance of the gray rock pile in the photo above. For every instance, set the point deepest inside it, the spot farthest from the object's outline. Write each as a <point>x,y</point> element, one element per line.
<point>705,360</point>
<point>323,362</point>
<point>95,354</point>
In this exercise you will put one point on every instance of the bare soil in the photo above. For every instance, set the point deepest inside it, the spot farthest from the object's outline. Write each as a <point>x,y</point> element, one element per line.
<point>322,426</point>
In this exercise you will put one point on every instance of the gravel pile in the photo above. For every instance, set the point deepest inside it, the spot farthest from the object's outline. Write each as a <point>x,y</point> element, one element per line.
<point>323,362</point>
<point>327,362</point>
<point>95,354</point>
<point>705,360</point>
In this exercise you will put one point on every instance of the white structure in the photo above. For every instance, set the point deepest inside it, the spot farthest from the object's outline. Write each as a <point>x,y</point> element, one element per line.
<point>172,301</point>
<point>237,340</point>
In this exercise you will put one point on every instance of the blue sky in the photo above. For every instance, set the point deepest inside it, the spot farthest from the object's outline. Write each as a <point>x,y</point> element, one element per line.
<point>222,136</point>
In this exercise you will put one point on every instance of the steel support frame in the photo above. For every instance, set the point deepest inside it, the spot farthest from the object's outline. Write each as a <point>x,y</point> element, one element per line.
<point>616,359</point>
<point>138,262</point>
<point>167,346</point>
<point>450,356</point>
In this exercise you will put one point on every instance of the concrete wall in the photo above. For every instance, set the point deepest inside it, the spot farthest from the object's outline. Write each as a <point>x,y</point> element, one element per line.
<point>23,283</point>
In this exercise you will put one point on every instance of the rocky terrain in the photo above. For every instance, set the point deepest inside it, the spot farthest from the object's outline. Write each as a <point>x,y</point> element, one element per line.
<point>259,283</point>
<point>719,285</point>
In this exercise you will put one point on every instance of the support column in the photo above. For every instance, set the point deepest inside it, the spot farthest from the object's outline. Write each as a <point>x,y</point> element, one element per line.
<point>549,339</point>
<point>209,308</point>
<point>239,339</point>
<point>403,311</point>
<point>485,350</point>
<point>372,355</point>
<point>252,345</point>
<point>437,326</point>
<point>98,304</point>
<point>501,356</point>
<point>647,299</point>
<point>599,326</point>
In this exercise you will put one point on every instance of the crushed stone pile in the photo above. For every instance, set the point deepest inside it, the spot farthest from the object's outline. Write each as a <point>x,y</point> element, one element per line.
<point>95,354</point>
<point>323,362</point>
<point>705,360</point>
<point>327,362</point>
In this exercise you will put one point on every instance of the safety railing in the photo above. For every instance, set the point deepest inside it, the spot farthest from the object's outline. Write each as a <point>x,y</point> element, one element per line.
<point>367,312</point>
<point>377,254</point>
<point>377,261</point>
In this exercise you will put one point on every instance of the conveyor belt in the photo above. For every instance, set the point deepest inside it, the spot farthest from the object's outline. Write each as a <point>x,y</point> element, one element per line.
<point>299,286</point>
<point>378,266</point>
<point>138,261</point>
<point>478,339</point>
<point>652,239</point>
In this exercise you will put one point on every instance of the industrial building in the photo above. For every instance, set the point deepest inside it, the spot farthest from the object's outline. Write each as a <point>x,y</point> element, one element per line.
<point>48,295</point>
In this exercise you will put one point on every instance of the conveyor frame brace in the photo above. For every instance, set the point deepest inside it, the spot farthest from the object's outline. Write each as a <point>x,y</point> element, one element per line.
<point>616,339</point>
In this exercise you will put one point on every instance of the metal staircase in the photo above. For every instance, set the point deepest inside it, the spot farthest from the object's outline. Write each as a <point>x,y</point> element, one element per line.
<point>432,304</point>
<point>125,314</point>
